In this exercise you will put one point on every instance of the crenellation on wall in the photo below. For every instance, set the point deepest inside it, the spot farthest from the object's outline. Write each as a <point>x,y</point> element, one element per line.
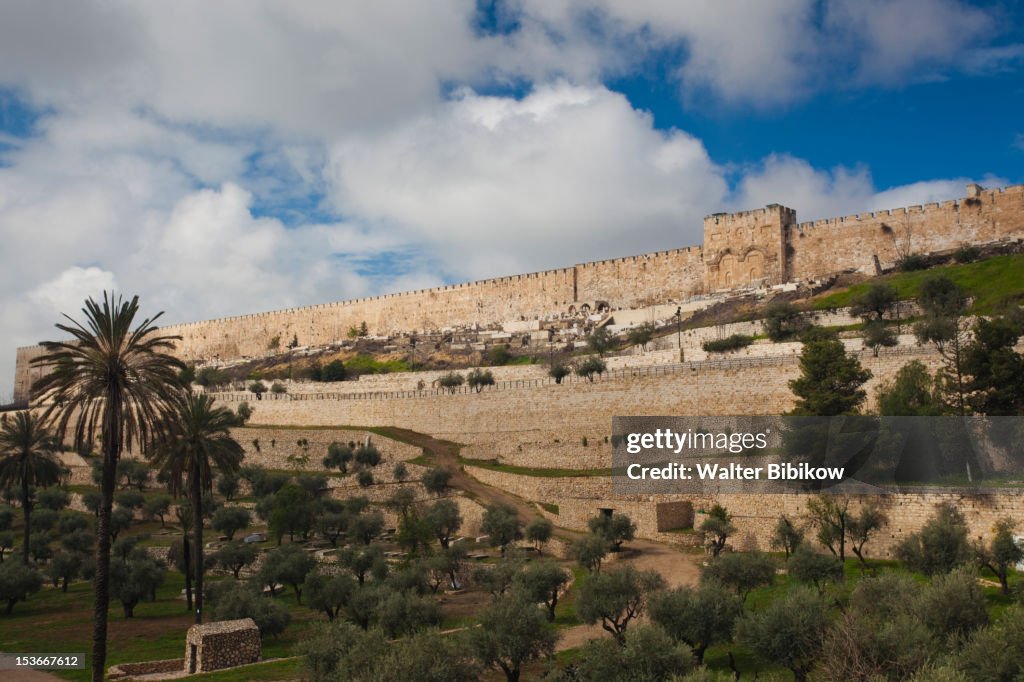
<point>745,249</point>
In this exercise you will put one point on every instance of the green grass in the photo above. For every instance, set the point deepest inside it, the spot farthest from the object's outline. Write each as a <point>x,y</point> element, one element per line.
<point>285,669</point>
<point>565,610</point>
<point>990,283</point>
<point>493,465</point>
<point>52,621</point>
<point>549,507</point>
<point>365,363</point>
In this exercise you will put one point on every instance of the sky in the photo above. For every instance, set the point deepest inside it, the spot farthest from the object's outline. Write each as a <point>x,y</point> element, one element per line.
<point>222,158</point>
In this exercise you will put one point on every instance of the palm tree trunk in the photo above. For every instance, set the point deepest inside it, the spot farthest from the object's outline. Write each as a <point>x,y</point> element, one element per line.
<point>101,583</point>
<point>197,533</point>
<point>26,508</point>
<point>187,559</point>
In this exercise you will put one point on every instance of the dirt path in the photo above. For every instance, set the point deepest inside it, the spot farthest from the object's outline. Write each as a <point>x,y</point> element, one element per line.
<point>446,455</point>
<point>677,568</point>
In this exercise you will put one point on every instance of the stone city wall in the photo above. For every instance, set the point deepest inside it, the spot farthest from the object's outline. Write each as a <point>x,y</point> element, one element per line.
<point>755,516</point>
<point>742,249</point>
<point>568,412</point>
<point>824,247</point>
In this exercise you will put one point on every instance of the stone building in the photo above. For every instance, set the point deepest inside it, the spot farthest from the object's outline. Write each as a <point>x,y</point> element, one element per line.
<point>225,644</point>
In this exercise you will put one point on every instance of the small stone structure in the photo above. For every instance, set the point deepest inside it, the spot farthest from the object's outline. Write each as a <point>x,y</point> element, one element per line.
<point>221,645</point>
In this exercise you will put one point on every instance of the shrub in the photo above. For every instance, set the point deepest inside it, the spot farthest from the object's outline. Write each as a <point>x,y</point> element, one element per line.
<point>967,254</point>
<point>333,371</point>
<point>940,546</point>
<point>590,367</point>
<point>478,379</point>
<point>912,262</point>
<point>498,355</point>
<point>808,566</point>
<point>451,381</point>
<point>783,320</point>
<point>278,388</point>
<point>734,342</point>
<point>17,581</point>
<point>559,371</point>
<point>238,600</point>
<point>741,571</point>
<point>436,480</point>
<point>52,498</point>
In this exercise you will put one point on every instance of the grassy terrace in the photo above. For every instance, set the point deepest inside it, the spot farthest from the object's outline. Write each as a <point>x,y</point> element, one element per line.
<point>493,465</point>
<point>990,283</point>
<point>51,621</point>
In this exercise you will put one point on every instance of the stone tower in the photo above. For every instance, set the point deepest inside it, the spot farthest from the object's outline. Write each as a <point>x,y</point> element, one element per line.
<point>748,248</point>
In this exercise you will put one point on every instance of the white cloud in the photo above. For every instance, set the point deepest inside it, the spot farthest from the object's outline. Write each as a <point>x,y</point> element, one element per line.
<point>495,185</point>
<point>170,128</point>
<point>816,193</point>
<point>65,293</point>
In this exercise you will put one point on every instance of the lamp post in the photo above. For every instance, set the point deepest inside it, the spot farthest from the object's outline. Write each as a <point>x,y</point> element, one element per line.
<point>679,327</point>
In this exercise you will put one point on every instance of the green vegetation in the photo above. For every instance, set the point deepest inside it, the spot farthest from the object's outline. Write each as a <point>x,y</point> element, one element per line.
<point>493,465</point>
<point>365,363</point>
<point>990,284</point>
<point>734,342</point>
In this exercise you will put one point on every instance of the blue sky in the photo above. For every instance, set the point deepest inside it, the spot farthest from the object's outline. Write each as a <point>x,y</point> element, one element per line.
<point>223,158</point>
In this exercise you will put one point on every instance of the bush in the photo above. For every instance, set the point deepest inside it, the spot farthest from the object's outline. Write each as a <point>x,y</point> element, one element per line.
<point>436,480</point>
<point>230,520</point>
<point>741,571</point>
<point>243,413</point>
<point>699,617</point>
<point>734,342</point>
<point>940,546</point>
<point>559,371</point>
<point>364,479</point>
<point>333,371</point>
<point>912,262</point>
<point>789,632</point>
<point>590,367</point>
<point>808,566</point>
<point>17,582</point>
<point>52,498</point>
<point>278,388</point>
<point>238,600</point>
<point>614,528</point>
<point>783,320</point>
<point>498,355</point>
<point>451,381</point>
<point>478,379</point>
<point>996,652</point>
<point>615,598</point>
<point>967,254</point>
<point>647,653</point>
<point>135,579</point>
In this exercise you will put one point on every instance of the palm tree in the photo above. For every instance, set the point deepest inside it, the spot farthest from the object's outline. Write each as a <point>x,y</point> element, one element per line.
<point>26,460</point>
<point>118,384</point>
<point>198,443</point>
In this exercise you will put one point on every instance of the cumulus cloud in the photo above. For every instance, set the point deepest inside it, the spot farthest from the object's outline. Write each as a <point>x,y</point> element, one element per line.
<point>494,185</point>
<point>66,292</point>
<point>222,158</point>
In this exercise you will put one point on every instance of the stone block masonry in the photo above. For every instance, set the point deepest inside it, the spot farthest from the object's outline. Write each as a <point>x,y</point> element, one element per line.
<point>225,644</point>
<point>751,248</point>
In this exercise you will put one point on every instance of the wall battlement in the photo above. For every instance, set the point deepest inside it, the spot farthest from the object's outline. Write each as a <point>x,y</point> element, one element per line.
<point>763,246</point>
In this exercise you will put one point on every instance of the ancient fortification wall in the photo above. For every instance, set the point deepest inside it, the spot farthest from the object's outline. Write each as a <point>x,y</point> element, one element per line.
<point>763,246</point>
<point>855,242</point>
<point>569,412</point>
